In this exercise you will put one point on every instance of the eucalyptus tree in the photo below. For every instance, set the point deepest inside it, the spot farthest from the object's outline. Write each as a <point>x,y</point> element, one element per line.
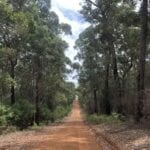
<point>32,54</point>
<point>45,50</point>
<point>142,57</point>
<point>14,26</point>
<point>116,29</point>
<point>102,15</point>
<point>90,71</point>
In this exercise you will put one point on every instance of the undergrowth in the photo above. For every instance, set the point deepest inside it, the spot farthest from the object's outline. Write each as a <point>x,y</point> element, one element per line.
<point>97,119</point>
<point>21,116</point>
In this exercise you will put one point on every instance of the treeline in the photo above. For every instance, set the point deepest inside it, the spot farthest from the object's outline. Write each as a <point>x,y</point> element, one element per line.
<point>32,64</point>
<point>115,53</point>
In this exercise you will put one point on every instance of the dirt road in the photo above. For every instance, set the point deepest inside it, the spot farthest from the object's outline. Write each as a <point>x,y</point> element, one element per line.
<point>72,135</point>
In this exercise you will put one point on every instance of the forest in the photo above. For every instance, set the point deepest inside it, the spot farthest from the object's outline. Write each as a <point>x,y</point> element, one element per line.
<point>114,51</point>
<point>111,66</point>
<point>33,70</point>
<point>115,54</point>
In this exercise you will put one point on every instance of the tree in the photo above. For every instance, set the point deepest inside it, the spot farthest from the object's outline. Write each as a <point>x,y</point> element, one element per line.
<point>32,56</point>
<point>12,35</point>
<point>116,27</point>
<point>141,64</point>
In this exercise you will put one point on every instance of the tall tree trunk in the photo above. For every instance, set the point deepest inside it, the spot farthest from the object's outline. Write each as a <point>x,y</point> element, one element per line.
<point>107,106</point>
<point>114,61</point>
<point>95,101</point>
<point>37,99</point>
<point>141,65</point>
<point>118,94</point>
<point>37,89</point>
<point>12,84</point>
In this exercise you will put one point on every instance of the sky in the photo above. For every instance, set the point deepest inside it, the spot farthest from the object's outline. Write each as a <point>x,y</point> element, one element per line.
<point>68,12</point>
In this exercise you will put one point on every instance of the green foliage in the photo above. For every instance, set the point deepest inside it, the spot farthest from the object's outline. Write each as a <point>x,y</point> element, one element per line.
<point>109,50</point>
<point>97,119</point>
<point>5,114</point>
<point>60,99</point>
<point>23,114</point>
<point>5,79</point>
<point>33,63</point>
<point>60,112</point>
<point>66,28</point>
<point>46,115</point>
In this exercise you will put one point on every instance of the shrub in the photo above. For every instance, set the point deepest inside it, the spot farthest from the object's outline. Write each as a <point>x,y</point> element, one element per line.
<point>60,112</point>
<point>5,114</point>
<point>60,99</point>
<point>46,115</point>
<point>97,119</point>
<point>23,112</point>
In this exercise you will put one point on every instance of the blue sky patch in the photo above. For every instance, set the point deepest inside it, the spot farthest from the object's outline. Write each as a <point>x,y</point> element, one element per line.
<point>72,15</point>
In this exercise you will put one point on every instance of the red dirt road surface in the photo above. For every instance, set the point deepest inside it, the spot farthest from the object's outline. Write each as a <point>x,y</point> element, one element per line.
<point>72,135</point>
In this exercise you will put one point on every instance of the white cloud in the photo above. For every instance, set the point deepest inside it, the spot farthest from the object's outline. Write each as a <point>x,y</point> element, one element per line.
<point>68,4</point>
<point>77,25</point>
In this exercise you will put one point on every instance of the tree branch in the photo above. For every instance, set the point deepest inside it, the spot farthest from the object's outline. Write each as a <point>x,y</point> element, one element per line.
<point>90,1</point>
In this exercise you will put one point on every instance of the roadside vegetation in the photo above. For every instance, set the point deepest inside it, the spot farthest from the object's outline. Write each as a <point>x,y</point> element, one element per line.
<point>98,119</point>
<point>115,54</point>
<point>112,61</point>
<point>33,86</point>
